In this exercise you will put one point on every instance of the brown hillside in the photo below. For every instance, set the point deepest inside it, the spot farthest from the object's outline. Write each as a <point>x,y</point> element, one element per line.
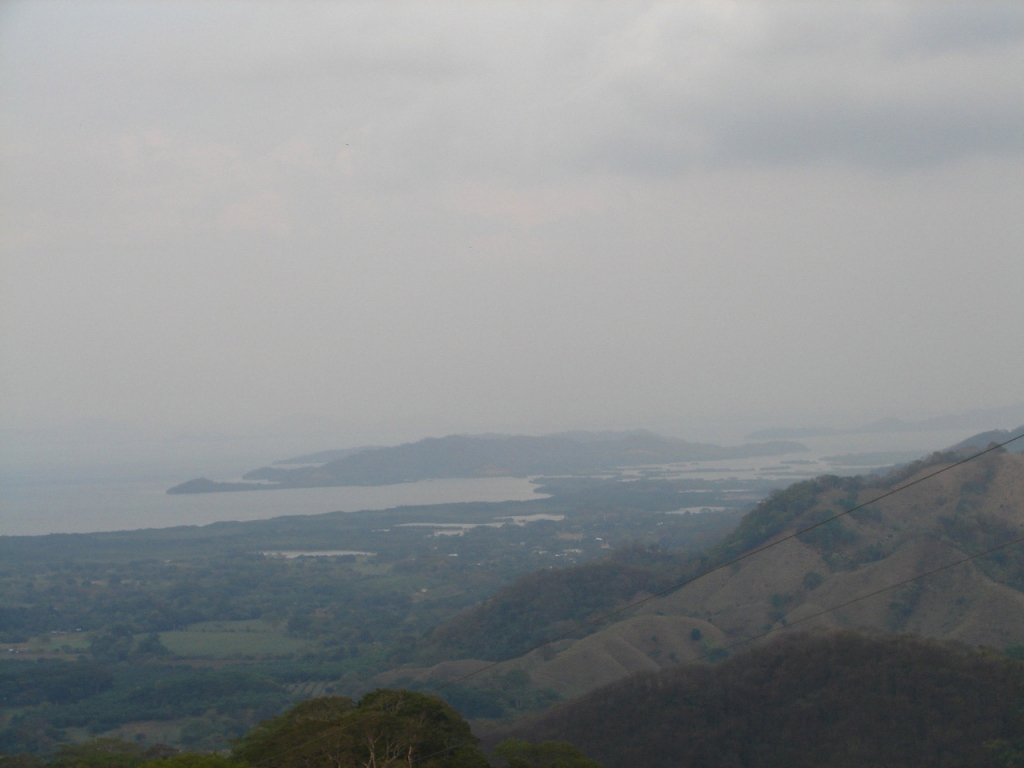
<point>962,512</point>
<point>959,513</point>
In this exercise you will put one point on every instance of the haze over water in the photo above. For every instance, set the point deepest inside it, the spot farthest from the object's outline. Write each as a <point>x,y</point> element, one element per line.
<point>110,505</point>
<point>411,219</point>
<point>35,505</point>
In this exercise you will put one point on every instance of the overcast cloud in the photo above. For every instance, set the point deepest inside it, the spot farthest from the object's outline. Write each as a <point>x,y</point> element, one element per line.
<point>411,219</point>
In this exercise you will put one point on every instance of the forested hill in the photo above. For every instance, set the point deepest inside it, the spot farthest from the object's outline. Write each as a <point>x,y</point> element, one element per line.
<point>489,456</point>
<point>985,439</point>
<point>805,701</point>
<point>966,510</point>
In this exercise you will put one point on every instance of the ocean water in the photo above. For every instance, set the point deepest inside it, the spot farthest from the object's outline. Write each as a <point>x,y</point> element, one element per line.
<point>40,503</point>
<point>29,508</point>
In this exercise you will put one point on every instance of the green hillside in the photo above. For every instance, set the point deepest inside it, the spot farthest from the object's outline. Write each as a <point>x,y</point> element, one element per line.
<point>842,700</point>
<point>178,603</point>
<point>540,604</point>
<point>961,512</point>
<point>426,595</point>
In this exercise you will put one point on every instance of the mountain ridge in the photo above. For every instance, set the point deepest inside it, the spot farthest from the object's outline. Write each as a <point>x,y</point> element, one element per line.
<point>968,509</point>
<point>806,700</point>
<point>973,419</point>
<point>469,456</point>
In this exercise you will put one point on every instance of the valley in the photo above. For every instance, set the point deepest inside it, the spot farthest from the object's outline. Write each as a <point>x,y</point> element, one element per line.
<point>450,599</point>
<point>240,599</point>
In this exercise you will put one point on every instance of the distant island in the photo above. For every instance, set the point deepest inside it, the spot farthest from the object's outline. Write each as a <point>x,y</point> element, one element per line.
<point>470,456</point>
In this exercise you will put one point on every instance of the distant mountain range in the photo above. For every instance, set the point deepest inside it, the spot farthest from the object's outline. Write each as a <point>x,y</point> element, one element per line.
<point>976,419</point>
<point>985,439</point>
<point>468,456</point>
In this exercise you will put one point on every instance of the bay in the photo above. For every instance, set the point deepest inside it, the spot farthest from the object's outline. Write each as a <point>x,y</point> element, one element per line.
<point>86,506</point>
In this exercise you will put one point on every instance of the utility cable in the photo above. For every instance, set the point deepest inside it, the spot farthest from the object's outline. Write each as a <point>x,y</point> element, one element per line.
<point>701,575</point>
<point>727,564</point>
<point>791,624</point>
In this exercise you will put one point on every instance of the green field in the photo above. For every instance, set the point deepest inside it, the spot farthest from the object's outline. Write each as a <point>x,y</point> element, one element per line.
<point>227,639</point>
<point>242,636</point>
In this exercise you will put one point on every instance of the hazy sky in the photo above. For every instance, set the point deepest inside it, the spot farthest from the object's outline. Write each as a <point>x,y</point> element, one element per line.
<point>409,219</point>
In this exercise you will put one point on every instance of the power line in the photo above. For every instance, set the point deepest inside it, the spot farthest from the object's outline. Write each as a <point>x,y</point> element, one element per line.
<point>790,625</point>
<point>727,564</point>
<point>685,582</point>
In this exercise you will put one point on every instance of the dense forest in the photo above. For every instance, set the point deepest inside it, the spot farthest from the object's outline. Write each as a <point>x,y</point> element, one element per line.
<point>410,565</point>
<point>820,575</point>
<point>386,728</point>
<point>806,700</point>
<point>192,636</point>
<point>543,603</point>
<point>101,630</point>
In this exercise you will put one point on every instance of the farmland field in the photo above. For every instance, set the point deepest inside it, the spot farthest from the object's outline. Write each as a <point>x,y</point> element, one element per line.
<point>225,639</point>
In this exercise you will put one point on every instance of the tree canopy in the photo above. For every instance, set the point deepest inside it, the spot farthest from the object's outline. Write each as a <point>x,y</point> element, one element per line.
<point>550,754</point>
<point>387,728</point>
